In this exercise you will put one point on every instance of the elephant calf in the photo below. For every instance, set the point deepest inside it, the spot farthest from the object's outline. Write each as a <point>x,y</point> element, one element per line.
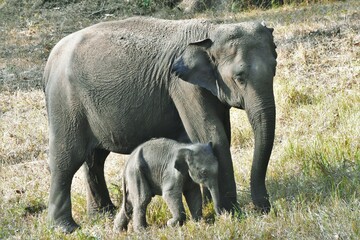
<point>168,168</point>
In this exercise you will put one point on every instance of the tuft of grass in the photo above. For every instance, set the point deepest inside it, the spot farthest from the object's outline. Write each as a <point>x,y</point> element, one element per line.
<point>158,212</point>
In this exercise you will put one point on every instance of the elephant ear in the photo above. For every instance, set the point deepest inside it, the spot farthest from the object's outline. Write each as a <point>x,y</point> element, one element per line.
<point>196,66</point>
<point>181,160</point>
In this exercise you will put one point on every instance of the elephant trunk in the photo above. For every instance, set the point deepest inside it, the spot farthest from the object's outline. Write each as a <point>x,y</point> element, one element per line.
<point>215,195</point>
<point>263,124</point>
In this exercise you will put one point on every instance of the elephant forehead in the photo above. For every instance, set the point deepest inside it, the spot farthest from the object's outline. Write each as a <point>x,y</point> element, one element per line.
<point>205,158</point>
<point>239,30</point>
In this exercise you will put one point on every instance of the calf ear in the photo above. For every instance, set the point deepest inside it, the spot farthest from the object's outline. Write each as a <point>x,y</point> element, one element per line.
<point>181,160</point>
<point>196,66</point>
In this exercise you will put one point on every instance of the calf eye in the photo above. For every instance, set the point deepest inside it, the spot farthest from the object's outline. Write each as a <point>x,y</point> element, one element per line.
<point>203,174</point>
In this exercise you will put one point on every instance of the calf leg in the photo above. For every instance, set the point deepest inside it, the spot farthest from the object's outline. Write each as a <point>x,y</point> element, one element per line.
<point>140,194</point>
<point>123,217</point>
<point>194,201</point>
<point>175,204</point>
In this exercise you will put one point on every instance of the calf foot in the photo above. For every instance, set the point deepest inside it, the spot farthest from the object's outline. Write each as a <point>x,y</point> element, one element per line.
<point>121,222</point>
<point>174,221</point>
<point>139,228</point>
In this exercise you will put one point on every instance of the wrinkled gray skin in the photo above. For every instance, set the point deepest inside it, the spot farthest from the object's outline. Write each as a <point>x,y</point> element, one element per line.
<point>168,168</point>
<point>114,85</point>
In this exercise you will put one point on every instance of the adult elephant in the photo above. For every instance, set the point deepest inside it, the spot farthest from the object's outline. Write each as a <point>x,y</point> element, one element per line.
<point>114,85</point>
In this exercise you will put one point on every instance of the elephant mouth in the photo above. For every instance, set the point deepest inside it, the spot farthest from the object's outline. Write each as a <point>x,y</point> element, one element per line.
<point>236,103</point>
<point>239,105</point>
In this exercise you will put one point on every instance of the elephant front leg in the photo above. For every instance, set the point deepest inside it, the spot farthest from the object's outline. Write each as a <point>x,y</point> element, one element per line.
<point>194,202</point>
<point>205,121</point>
<point>98,198</point>
<point>175,204</point>
<point>227,186</point>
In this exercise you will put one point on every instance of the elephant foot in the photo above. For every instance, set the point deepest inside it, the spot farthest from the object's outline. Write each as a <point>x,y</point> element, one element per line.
<point>110,209</point>
<point>121,223</point>
<point>139,228</point>
<point>66,226</point>
<point>174,222</point>
<point>121,227</point>
<point>229,205</point>
<point>262,205</point>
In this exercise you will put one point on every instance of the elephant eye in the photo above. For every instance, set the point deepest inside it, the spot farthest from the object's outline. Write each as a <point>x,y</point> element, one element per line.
<point>239,78</point>
<point>203,174</point>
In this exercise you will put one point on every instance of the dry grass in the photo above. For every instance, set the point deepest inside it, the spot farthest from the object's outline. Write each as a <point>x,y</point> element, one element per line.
<point>313,177</point>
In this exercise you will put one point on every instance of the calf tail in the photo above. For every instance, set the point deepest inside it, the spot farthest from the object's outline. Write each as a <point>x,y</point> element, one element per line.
<point>125,193</point>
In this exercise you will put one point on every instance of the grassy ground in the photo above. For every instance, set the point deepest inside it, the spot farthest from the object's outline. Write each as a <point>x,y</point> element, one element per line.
<point>314,172</point>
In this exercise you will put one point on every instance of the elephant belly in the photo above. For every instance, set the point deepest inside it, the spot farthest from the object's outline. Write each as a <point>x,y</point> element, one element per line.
<point>123,132</point>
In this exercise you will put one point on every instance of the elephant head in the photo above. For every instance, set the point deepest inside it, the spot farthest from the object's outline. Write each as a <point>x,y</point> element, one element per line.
<point>237,64</point>
<point>201,164</point>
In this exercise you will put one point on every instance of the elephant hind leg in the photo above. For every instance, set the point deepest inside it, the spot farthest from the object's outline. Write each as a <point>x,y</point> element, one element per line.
<point>98,198</point>
<point>140,194</point>
<point>59,212</point>
<point>64,162</point>
<point>123,217</point>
